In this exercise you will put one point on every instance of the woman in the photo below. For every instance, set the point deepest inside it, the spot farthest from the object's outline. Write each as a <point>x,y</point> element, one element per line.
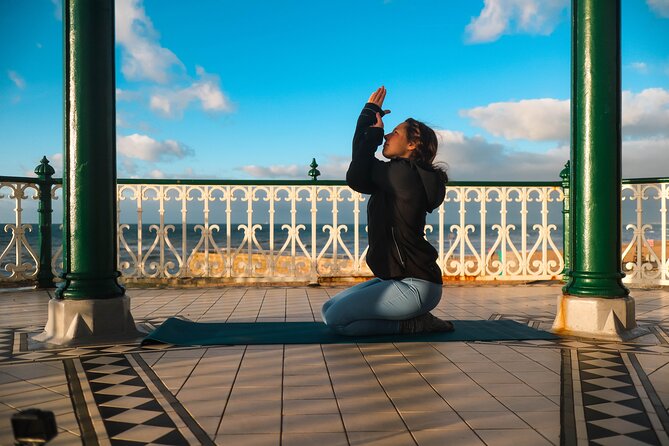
<point>408,280</point>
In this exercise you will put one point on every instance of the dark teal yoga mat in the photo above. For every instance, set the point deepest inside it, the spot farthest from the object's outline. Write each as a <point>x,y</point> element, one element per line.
<point>181,332</point>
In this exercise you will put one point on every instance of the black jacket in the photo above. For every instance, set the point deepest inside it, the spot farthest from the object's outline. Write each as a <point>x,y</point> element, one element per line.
<point>402,192</point>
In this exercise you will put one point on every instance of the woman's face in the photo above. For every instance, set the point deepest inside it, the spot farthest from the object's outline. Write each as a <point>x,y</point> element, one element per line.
<point>397,145</point>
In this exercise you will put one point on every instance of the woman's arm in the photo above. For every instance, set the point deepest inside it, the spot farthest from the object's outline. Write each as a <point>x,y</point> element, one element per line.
<point>368,136</point>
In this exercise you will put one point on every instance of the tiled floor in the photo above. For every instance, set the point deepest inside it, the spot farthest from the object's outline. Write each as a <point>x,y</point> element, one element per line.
<point>464,393</point>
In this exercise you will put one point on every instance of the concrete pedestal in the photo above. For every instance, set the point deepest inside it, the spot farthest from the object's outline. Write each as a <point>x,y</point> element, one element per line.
<point>610,319</point>
<point>85,321</point>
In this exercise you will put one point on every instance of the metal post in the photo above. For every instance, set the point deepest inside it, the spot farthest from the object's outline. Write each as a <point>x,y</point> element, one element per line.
<point>90,305</point>
<point>566,227</point>
<point>44,172</point>
<point>89,183</point>
<point>595,210</point>
<point>595,303</point>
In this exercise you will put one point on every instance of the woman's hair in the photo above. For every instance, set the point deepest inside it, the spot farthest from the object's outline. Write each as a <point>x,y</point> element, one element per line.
<point>426,142</point>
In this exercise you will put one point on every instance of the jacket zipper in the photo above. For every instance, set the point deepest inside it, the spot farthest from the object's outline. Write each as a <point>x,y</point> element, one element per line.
<point>392,230</point>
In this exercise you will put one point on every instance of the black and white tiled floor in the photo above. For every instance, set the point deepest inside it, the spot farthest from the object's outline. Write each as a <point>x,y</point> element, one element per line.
<point>130,412</point>
<point>568,391</point>
<point>612,406</point>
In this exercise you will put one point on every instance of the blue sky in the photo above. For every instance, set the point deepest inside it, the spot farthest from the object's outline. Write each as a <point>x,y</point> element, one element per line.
<point>256,89</point>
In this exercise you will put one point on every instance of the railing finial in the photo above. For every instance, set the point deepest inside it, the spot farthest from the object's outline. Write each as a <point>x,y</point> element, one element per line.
<point>314,173</point>
<point>44,169</point>
<point>564,173</point>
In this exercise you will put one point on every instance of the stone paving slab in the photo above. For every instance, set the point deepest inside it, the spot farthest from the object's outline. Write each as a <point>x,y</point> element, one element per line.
<point>574,391</point>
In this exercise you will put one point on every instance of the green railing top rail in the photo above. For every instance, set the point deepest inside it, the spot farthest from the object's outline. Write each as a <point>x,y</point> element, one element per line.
<point>215,182</point>
<point>645,180</point>
<point>34,180</point>
<point>218,182</point>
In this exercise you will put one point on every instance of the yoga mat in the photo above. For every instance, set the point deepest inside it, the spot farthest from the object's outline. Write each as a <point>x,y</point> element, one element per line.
<point>182,332</point>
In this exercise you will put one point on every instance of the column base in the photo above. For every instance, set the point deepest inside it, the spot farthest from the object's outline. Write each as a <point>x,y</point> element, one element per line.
<point>611,319</point>
<point>87,321</point>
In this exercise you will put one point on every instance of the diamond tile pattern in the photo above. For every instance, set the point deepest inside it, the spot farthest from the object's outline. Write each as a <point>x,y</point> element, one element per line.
<point>130,413</point>
<point>614,413</point>
<point>6,343</point>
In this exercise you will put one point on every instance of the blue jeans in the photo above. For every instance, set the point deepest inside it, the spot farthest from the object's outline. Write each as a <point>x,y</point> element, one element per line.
<point>377,306</point>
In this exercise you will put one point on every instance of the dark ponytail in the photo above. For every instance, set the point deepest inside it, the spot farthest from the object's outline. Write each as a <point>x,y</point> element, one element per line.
<point>426,142</point>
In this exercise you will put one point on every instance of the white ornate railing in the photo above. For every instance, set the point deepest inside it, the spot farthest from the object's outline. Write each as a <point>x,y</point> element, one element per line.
<point>224,231</point>
<point>18,257</point>
<point>521,246</point>
<point>644,257</point>
<point>226,242</point>
<point>302,231</point>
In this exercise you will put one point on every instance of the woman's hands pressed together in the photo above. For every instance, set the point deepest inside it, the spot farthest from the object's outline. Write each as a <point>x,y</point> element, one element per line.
<point>377,98</point>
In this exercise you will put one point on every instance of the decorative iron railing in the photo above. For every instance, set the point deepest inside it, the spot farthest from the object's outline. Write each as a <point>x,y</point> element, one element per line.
<point>19,258</point>
<point>197,231</point>
<point>644,256</point>
<point>321,233</point>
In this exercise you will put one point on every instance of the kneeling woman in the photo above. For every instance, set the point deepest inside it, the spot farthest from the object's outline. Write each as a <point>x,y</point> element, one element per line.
<point>408,280</point>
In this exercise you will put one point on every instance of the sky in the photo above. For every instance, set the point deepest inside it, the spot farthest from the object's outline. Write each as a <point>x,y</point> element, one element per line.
<point>256,89</point>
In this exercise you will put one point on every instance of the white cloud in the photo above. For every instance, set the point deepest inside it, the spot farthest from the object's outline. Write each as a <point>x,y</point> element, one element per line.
<point>476,159</point>
<point>143,58</point>
<point>532,119</point>
<point>125,95</point>
<point>56,161</point>
<point>128,167</point>
<point>646,158</point>
<point>513,17</point>
<point>131,170</point>
<point>292,171</point>
<point>205,90</point>
<point>659,7</point>
<point>58,9</point>
<point>17,79</point>
<point>145,148</point>
<point>467,158</point>
<point>157,173</point>
<point>333,168</point>
<point>161,104</point>
<point>644,114</point>
<point>640,67</point>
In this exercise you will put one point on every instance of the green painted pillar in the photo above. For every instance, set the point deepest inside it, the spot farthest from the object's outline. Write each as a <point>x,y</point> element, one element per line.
<point>595,211</point>
<point>89,174</point>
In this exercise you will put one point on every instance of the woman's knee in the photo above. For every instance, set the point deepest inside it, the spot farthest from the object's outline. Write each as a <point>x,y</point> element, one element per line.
<point>332,317</point>
<point>433,296</point>
<point>325,307</point>
<point>326,314</point>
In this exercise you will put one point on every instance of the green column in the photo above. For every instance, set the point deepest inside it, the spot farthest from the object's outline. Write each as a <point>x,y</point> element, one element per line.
<point>595,151</point>
<point>89,179</point>
<point>44,172</point>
